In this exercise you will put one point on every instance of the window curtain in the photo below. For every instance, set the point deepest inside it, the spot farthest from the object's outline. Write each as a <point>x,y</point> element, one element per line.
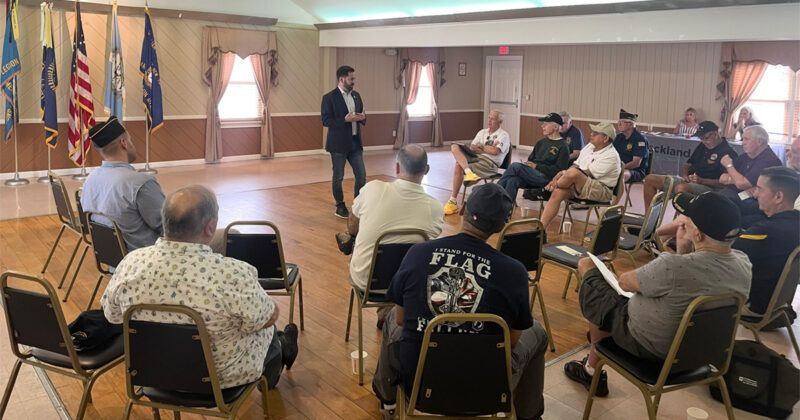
<point>407,60</point>
<point>410,84</point>
<point>744,79</point>
<point>220,45</point>
<point>266,75</point>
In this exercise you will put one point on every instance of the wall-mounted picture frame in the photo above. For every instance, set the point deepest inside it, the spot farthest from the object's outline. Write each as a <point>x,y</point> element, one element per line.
<point>462,69</point>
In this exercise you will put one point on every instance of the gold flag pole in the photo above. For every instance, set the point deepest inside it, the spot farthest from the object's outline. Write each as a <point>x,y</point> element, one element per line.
<point>16,181</point>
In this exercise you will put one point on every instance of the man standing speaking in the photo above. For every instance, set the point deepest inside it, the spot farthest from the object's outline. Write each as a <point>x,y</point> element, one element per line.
<point>343,114</point>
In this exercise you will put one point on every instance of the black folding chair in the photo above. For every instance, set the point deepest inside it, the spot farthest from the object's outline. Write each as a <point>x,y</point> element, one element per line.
<point>68,221</point>
<point>109,249</point>
<point>264,251</point>
<point>492,178</point>
<point>446,382</point>
<point>526,247</point>
<point>647,237</point>
<point>634,221</point>
<point>647,172</point>
<point>603,243</point>
<point>85,237</point>
<point>700,353</point>
<point>36,320</point>
<point>779,303</point>
<point>386,259</point>
<point>185,377</point>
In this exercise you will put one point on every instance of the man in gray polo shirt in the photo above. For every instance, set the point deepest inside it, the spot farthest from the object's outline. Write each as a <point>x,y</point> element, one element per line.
<point>645,324</point>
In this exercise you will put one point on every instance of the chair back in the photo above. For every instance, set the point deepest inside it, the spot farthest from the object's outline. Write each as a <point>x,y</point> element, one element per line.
<point>35,319</point>
<point>606,236</point>
<point>619,188</point>
<point>652,151</point>
<point>188,366</point>
<point>705,335</point>
<point>82,217</point>
<point>652,217</point>
<point>507,160</point>
<point>264,251</point>
<point>108,244</point>
<point>386,259</point>
<point>63,207</point>
<point>473,369</point>
<point>787,283</point>
<point>526,246</point>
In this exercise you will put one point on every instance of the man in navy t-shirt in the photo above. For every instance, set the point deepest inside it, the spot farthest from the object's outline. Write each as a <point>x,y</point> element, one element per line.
<point>463,274</point>
<point>572,135</point>
<point>632,146</point>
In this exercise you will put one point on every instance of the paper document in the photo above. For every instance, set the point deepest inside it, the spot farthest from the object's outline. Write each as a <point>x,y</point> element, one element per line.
<point>608,275</point>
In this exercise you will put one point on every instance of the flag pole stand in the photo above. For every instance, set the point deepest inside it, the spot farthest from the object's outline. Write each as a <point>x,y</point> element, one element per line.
<point>81,176</point>
<point>46,179</point>
<point>16,181</point>
<point>147,169</point>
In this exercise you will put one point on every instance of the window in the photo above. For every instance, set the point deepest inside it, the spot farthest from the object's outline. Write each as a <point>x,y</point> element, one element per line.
<point>423,103</point>
<point>241,100</point>
<point>776,102</point>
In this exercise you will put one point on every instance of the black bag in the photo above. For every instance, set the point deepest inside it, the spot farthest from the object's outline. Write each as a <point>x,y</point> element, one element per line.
<point>92,330</point>
<point>760,381</point>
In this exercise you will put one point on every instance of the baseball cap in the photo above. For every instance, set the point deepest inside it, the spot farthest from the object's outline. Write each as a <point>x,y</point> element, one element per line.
<point>489,207</point>
<point>712,213</point>
<point>552,117</point>
<point>604,128</point>
<point>705,127</point>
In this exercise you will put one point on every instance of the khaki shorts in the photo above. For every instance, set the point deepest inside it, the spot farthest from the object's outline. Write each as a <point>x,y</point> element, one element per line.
<point>483,166</point>
<point>593,190</point>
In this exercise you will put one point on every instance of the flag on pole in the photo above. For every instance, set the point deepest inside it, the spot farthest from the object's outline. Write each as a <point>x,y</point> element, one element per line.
<point>151,84</point>
<point>10,69</point>
<point>81,107</point>
<point>49,79</point>
<point>115,80</point>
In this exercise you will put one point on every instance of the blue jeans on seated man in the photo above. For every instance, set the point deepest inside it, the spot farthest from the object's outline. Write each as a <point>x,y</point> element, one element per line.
<point>520,175</point>
<point>356,159</point>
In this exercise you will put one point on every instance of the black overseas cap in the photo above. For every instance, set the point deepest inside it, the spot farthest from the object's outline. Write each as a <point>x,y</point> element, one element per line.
<point>553,118</point>
<point>704,128</point>
<point>489,207</point>
<point>102,134</point>
<point>625,115</point>
<point>712,213</point>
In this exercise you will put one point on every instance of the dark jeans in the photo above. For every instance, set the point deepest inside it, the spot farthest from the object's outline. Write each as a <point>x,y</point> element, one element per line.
<point>356,159</point>
<point>520,175</point>
<point>748,208</point>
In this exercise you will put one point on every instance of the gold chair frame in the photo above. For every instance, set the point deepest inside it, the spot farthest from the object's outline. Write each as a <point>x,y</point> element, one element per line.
<point>649,171</point>
<point>641,241</point>
<point>67,222</point>
<point>103,271</point>
<point>593,206</point>
<point>85,237</point>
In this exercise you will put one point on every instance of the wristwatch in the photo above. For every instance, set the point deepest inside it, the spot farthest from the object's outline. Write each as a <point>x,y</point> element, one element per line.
<point>728,166</point>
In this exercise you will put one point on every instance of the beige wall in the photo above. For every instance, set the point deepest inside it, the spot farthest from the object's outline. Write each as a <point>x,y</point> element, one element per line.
<point>374,70</point>
<point>462,92</point>
<point>656,81</point>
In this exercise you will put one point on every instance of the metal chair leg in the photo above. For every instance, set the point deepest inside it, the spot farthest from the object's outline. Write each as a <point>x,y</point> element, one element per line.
<point>291,305</point>
<point>264,399</point>
<point>12,379</point>
<point>545,319</point>
<point>69,263</point>
<point>300,297</point>
<point>126,413</point>
<point>726,398</point>
<point>791,334</point>
<point>75,274</point>
<point>360,346</point>
<point>349,316</point>
<point>53,248</point>
<point>566,285</point>
<point>592,390</point>
<point>94,292</point>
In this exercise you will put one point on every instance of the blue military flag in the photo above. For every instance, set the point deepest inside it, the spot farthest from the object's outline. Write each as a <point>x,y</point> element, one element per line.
<point>151,84</point>
<point>49,79</point>
<point>10,69</point>
<point>115,79</point>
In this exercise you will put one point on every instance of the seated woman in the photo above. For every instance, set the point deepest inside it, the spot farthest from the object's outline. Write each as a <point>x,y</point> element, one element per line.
<point>746,119</point>
<point>688,125</point>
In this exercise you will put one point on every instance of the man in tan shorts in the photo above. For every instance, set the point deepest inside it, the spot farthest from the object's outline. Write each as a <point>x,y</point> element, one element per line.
<point>592,177</point>
<point>481,159</point>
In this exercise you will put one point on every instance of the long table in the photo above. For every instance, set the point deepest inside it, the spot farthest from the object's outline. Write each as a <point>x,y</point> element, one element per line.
<point>671,152</point>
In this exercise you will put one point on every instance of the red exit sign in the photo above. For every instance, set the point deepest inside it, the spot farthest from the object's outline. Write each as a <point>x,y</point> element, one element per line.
<point>504,50</point>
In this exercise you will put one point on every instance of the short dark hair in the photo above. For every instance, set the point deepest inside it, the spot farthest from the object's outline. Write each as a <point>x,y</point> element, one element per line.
<point>415,162</point>
<point>343,71</point>
<point>785,180</point>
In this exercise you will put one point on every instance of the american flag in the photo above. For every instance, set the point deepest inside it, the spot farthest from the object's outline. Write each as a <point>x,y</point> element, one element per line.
<point>81,107</point>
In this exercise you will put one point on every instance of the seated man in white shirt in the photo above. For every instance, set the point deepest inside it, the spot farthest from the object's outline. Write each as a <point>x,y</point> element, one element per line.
<point>182,269</point>
<point>592,177</point>
<point>481,159</point>
<point>383,206</point>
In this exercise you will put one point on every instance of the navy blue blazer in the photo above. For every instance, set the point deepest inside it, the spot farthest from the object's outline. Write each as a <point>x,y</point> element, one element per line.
<point>340,132</point>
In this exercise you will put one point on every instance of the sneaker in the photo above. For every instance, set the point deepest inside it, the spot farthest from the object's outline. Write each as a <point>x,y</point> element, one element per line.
<point>289,347</point>
<point>450,208</point>
<point>536,194</point>
<point>387,411</point>
<point>576,371</point>
<point>471,177</point>
<point>341,211</point>
<point>345,242</point>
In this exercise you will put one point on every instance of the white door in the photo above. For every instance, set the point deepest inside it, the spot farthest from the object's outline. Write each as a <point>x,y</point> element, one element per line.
<point>503,87</point>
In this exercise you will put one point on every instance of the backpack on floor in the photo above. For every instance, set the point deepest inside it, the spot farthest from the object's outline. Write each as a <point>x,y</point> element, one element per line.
<point>760,381</point>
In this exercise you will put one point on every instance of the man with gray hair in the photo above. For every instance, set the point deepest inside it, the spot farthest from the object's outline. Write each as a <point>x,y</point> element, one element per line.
<point>181,269</point>
<point>572,135</point>
<point>383,206</point>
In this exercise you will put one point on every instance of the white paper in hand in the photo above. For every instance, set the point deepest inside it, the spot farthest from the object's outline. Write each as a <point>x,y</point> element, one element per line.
<point>608,275</point>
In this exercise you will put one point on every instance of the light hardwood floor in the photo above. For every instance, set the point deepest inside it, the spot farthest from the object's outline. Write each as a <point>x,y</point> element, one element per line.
<point>295,193</point>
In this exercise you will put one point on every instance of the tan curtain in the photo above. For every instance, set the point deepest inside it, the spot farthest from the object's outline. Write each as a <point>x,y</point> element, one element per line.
<point>435,72</point>
<point>743,82</point>
<point>217,76</point>
<point>266,75</point>
<point>410,84</point>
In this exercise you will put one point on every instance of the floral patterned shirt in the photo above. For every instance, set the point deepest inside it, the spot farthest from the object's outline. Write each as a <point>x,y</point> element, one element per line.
<point>225,291</point>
